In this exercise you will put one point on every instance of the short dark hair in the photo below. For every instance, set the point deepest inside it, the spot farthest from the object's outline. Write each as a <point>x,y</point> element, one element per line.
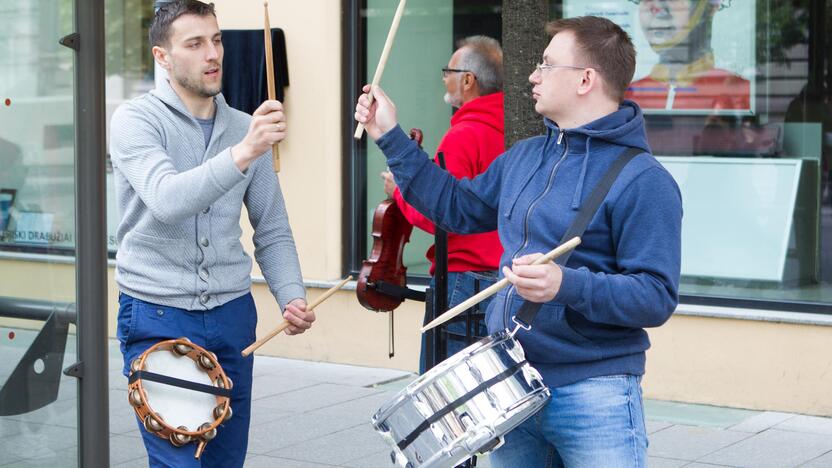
<point>605,47</point>
<point>169,12</point>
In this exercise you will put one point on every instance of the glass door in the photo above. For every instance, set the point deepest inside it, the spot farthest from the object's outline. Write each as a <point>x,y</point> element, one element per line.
<point>39,405</point>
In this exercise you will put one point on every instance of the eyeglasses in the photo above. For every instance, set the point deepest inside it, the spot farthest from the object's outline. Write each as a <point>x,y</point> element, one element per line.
<point>541,67</point>
<point>447,71</point>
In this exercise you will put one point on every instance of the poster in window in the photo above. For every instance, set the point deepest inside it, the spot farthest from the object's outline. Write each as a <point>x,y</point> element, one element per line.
<point>692,56</point>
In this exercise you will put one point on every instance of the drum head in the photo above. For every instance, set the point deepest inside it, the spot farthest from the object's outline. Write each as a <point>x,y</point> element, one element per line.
<point>179,406</point>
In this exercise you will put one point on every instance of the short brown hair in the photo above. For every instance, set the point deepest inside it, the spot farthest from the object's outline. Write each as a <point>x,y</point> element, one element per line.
<point>605,47</point>
<point>169,12</point>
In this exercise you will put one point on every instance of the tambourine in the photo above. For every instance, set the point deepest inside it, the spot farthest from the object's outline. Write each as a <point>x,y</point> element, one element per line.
<point>180,392</point>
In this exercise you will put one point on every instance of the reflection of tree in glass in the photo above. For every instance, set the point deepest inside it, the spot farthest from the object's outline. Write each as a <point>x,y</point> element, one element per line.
<point>127,47</point>
<point>787,25</point>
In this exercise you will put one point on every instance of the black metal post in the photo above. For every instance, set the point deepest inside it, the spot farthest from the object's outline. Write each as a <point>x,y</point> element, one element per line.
<point>91,235</point>
<point>440,277</point>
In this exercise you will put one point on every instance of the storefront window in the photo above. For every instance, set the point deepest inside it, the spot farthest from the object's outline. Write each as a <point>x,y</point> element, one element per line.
<point>737,110</point>
<point>37,139</point>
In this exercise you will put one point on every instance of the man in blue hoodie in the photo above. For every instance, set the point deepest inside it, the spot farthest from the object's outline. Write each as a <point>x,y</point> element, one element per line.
<point>588,340</point>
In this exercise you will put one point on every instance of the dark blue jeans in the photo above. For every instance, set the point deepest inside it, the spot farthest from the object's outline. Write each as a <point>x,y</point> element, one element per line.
<point>461,286</point>
<point>225,330</point>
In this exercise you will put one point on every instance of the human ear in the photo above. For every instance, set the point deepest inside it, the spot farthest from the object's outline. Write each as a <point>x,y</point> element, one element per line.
<point>160,55</point>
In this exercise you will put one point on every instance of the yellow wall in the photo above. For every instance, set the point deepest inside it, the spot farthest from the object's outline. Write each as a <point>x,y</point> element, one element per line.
<point>311,155</point>
<point>741,363</point>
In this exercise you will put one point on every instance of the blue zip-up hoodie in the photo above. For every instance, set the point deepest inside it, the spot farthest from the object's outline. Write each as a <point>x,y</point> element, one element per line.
<point>622,278</point>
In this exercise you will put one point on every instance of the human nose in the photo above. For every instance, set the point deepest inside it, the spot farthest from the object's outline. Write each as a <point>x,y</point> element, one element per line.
<point>214,51</point>
<point>534,78</point>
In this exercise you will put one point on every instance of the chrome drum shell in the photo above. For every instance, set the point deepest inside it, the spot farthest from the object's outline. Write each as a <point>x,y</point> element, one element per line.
<point>462,406</point>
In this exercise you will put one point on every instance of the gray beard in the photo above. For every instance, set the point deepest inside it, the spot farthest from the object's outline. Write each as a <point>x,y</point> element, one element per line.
<point>453,101</point>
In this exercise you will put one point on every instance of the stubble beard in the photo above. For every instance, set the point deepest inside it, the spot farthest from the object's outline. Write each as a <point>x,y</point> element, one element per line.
<point>196,86</point>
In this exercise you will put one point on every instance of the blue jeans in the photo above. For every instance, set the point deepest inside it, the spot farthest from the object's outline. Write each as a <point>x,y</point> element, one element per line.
<point>461,286</point>
<point>594,423</point>
<point>225,330</point>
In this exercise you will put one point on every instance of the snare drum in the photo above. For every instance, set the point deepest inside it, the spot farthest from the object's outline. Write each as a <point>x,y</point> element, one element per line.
<point>463,406</point>
<point>180,392</point>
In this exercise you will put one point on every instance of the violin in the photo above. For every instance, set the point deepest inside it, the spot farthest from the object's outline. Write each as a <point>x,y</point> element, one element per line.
<point>382,281</point>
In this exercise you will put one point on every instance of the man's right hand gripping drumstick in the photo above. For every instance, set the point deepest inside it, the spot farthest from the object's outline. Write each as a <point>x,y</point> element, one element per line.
<point>378,117</point>
<point>298,317</point>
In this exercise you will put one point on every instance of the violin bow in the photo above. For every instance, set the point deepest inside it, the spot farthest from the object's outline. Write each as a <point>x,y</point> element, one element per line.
<point>385,53</point>
<point>270,86</point>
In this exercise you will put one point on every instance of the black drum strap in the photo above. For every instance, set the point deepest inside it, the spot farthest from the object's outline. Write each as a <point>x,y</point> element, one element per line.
<point>529,309</point>
<point>414,434</point>
<point>174,382</point>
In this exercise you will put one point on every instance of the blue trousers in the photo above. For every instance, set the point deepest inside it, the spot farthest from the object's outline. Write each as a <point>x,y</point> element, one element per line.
<point>594,423</point>
<point>461,286</point>
<point>225,330</point>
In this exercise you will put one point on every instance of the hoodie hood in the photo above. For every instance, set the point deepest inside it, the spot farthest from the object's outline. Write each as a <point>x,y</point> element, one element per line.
<point>482,111</point>
<point>624,127</point>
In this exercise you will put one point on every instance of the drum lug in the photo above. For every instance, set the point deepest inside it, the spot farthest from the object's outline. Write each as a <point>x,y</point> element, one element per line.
<point>494,444</point>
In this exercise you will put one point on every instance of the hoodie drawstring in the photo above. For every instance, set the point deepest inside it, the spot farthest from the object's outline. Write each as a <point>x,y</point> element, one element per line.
<point>576,199</point>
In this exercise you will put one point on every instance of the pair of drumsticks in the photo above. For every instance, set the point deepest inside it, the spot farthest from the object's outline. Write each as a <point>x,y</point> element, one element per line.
<point>451,313</point>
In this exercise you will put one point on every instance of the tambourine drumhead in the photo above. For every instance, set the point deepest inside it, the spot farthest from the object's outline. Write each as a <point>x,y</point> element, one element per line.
<point>179,406</point>
<point>180,392</point>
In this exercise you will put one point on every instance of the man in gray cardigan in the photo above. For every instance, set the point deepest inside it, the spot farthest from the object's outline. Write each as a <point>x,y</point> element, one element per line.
<point>184,163</point>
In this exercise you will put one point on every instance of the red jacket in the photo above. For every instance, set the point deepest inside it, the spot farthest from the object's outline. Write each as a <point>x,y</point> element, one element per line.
<point>473,141</point>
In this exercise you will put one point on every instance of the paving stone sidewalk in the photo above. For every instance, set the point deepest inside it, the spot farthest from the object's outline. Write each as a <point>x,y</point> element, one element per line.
<point>310,414</point>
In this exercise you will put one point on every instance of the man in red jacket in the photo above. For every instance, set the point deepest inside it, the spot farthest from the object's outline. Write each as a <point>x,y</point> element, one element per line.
<point>474,82</point>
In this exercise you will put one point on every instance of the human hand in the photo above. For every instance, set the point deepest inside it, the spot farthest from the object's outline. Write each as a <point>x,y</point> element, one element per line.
<point>389,183</point>
<point>299,318</point>
<point>380,116</point>
<point>535,283</point>
<point>267,127</point>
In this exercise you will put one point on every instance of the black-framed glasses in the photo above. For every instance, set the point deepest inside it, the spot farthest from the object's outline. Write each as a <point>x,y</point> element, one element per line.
<point>447,71</point>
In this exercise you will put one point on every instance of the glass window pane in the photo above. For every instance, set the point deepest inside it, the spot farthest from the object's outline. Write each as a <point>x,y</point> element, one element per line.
<point>38,404</point>
<point>738,111</point>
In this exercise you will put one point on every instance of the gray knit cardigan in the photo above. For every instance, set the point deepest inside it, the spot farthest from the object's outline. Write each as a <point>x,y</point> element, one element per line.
<point>180,206</point>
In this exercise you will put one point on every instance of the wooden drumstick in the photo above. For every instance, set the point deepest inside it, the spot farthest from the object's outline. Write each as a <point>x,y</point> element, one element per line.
<point>385,53</point>
<point>494,288</point>
<point>270,86</point>
<point>286,323</point>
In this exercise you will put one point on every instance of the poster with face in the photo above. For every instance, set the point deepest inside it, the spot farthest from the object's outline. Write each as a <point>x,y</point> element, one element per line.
<point>692,56</point>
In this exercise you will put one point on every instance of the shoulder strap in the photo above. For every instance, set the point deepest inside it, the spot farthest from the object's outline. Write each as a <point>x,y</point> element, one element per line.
<point>529,309</point>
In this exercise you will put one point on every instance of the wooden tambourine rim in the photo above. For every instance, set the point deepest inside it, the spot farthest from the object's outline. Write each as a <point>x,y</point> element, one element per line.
<point>194,355</point>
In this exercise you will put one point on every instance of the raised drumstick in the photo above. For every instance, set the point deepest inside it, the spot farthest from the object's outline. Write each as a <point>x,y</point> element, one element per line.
<point>286,323</point>
<point>385,53</point>
<point>270,88</point>
<point>494,288</point>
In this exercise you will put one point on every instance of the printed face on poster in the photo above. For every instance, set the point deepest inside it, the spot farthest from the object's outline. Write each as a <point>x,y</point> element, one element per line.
<point>692,56</point>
